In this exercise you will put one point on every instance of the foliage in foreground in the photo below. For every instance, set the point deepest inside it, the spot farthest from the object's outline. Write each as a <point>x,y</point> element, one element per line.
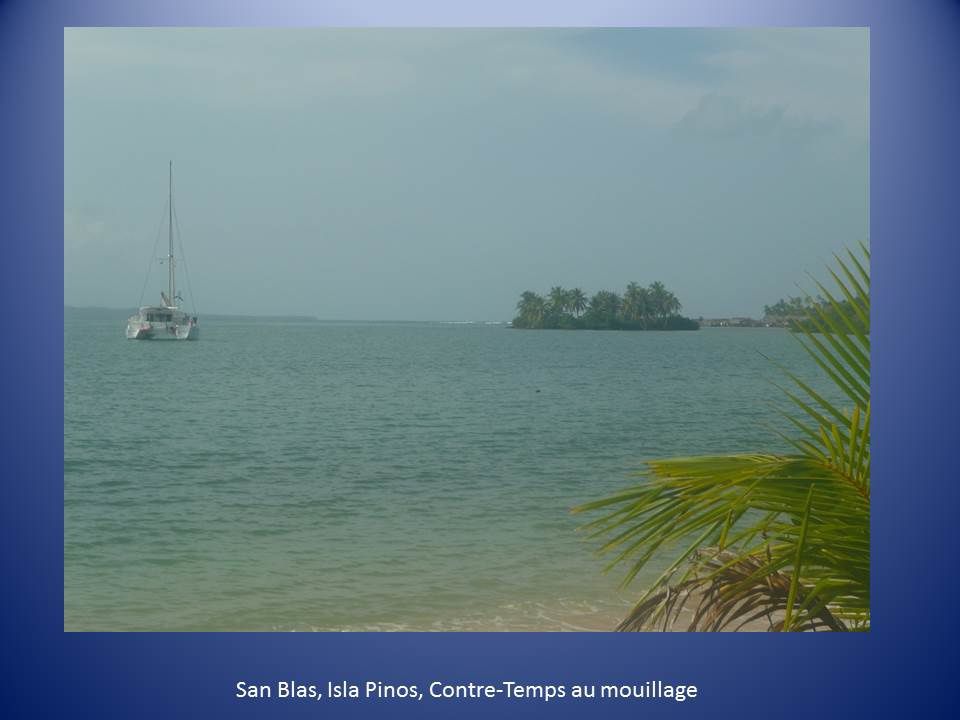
<point>639,308</point>
<point>782,540</point>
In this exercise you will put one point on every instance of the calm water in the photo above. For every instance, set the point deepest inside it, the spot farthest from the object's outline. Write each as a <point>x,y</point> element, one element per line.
<point>298,476</point>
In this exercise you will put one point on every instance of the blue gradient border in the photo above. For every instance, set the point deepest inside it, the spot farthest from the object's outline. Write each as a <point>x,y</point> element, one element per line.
<point>905,665</point>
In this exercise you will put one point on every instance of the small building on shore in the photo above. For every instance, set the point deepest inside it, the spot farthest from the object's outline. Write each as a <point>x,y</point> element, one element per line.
<point>732,322</point>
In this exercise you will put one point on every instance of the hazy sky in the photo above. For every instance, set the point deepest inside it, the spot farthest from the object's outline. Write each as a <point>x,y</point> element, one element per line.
<point>436,174</point>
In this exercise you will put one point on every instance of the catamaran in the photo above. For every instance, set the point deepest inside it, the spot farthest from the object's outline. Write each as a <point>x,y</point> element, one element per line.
<point>166,321</point>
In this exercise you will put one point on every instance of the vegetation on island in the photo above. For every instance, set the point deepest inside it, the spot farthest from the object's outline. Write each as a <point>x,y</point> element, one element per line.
<point>785,311</point>
<point>795,313</point>
<point>639,308</point>
<point>781,539</point>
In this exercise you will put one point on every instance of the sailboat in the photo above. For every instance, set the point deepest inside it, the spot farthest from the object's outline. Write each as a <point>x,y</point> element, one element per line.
<point>166,321</point>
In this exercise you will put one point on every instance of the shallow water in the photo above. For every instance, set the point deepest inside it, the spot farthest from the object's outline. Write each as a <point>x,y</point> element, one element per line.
<point>364,476</point>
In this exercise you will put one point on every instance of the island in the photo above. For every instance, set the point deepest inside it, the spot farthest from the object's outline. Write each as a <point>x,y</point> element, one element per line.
<point>639,308</point>
<point>845,314</point>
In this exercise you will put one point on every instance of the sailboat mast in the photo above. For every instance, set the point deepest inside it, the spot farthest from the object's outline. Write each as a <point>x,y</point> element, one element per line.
<point>170,261</point>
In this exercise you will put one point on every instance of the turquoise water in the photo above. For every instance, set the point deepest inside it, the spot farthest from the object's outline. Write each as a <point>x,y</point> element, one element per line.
<point>320,476</point>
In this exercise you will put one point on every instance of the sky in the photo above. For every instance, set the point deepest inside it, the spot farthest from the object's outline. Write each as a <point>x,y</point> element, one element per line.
<point>398,174</point>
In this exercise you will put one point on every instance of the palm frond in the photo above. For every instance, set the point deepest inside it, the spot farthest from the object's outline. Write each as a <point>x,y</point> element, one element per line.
<point>728,593</point>
<point>785,538</point>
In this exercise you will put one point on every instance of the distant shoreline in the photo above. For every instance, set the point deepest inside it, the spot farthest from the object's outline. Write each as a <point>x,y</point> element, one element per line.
<point>90,309</point>
<point>622,328</point>
<point>122,313</point>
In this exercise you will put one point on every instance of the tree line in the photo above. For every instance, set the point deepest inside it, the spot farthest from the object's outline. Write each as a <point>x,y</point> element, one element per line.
<point>786,311</point>
<point>639,308</point>
<point>795,313</point>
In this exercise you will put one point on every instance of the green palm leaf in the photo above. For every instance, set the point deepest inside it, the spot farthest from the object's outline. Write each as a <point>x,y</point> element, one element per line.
<point>778,539</point>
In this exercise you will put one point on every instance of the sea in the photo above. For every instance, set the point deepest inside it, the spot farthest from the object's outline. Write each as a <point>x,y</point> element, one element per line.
<point>299,475</point>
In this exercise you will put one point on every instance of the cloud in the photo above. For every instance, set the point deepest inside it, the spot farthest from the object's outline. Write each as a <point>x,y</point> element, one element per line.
<point>821,75</point>
<point>651,76</point>
<point>725,116</point>
<point>815,79</point>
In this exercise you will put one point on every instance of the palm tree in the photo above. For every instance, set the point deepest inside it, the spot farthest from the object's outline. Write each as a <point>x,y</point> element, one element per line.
<point>636,303</point>
<point>785,312</point>
<point>558,300</point>
<point>671,304</point>
<point>659,300</point>
<point>578,301</point>
<point>538,311</point>
<point>530,310</point>
<point>604,308</point>
<point>630,307</point>
<point>780,538</point>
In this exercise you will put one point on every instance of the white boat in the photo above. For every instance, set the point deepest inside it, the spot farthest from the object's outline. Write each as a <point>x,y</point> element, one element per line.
<point>166,321</point>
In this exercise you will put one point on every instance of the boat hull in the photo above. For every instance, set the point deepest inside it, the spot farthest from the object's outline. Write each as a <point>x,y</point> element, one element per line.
<point>138,329</point>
